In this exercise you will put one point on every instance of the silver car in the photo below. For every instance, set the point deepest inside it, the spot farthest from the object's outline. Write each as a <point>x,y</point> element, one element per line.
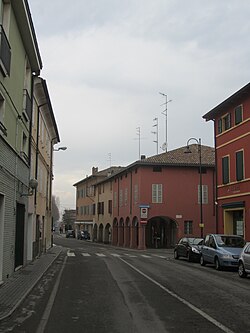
<point>221,250</point>
<point>244,261</point>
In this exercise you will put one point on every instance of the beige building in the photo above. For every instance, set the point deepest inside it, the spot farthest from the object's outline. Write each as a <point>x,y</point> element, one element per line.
<point>94,204</point>
<point>44,137</point>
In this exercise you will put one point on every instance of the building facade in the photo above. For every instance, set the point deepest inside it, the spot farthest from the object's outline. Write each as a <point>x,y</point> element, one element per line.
<point>155,201</point>
<point>20,66</point>
<point>232,131</point>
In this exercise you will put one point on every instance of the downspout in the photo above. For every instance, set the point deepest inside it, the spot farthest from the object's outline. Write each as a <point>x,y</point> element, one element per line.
<point>216,180</point>
<point>31,119</point>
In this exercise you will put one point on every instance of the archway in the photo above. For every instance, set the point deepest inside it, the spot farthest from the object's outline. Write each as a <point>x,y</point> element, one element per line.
<point>134,233</point>
<point>95,233</point>
<point>161,232</point>
<point>115,232</point>
<point>107,234</point>
<point>100,233</point>
<point>121,232</point>
<point>127,234</point>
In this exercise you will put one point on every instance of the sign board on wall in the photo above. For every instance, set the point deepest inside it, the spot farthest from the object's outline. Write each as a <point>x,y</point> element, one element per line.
<point>144,212</point>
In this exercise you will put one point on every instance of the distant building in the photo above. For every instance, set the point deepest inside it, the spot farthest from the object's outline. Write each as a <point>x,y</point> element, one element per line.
<point>153,201</point>
<point>69,218</point>
<point>232,133</point>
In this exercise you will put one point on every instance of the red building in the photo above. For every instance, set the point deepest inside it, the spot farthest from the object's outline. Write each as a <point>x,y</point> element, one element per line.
<point>232,132</point>
<point>157,200</point>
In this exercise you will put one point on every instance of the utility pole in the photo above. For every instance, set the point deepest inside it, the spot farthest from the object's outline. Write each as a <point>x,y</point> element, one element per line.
<point>165,112</point>
<point>156,133</point>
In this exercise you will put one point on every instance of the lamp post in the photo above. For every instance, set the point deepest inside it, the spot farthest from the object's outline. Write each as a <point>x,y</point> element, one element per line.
<point>200,171</point>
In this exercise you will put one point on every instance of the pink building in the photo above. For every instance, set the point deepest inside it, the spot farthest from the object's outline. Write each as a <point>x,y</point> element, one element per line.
<point>156,200</point>
<point>231,130</point>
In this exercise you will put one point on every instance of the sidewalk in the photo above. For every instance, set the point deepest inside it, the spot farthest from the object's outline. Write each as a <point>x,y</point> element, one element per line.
<point>17,287</point>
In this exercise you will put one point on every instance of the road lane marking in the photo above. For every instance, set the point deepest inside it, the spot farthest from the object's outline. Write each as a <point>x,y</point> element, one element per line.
<point>182,300</point>
<point>145,256</point>
<point>100,255</point>
<point>158,256</point>
<point>130,255</point>
<point>86,254</point>
<point>47,311</point>
<point>70,254</point>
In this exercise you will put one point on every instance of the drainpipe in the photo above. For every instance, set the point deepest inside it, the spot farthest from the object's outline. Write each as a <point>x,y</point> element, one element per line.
<point>216,180</point>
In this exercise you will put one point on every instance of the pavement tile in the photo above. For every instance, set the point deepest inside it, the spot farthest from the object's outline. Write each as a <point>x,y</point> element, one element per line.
<point>16,288</point>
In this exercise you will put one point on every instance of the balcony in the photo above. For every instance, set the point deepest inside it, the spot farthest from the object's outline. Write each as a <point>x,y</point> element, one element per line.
<point>5,53</point>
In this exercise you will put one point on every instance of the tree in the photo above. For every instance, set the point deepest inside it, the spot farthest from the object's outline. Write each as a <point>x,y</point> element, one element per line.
<point>55,209</point>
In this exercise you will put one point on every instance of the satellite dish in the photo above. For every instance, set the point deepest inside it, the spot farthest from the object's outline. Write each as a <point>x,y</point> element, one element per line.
<point>164,146</point>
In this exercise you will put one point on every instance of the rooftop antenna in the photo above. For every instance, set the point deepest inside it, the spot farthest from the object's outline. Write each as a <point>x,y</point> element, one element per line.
<point>110,159</point>
<point>156,133</point>
<point>165,112</point>
<point>138,132</point>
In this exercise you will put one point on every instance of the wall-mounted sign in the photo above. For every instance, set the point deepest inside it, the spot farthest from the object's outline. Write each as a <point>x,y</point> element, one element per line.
<point>144,212</point>
<point>143,221</point>
<point>178,216</point>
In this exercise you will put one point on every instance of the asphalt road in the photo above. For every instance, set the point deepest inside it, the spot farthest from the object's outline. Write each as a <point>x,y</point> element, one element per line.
<point>99,288</point>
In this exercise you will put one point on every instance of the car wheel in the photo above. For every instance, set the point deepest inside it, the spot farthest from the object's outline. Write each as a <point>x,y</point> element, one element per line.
<point>176,256</point>
<point>202,261</point>
<point>217,264</point>
<point>241,270</point>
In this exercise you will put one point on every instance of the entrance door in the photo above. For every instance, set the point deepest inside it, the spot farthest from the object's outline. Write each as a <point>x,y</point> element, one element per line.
<point>19,242</point>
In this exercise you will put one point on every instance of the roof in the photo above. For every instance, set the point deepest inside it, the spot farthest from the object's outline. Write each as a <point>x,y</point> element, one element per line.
<point>27,31</point>
<point>175,158</point>
<point>231,101</point>
<point>106,173</point>
<point>179,157</point>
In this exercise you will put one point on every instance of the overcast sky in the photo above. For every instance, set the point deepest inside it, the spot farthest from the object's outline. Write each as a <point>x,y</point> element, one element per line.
<point>105,62</point>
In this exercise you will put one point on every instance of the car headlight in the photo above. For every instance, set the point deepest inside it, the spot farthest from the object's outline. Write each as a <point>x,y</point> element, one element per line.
<point>195,250</point>
<point>226,256</point>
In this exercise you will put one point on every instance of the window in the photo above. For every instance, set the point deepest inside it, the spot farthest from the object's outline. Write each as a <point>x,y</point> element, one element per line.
<point>188,227</point>
<point>227,121</point>
<point>224,123</point>
<point>225,170</point>
<point>135,194</point>
<point>204,194</point>
<point>156,193</point>
<point>115,199</point>
<point>238,114</point>
<point>121,198</point>
<point>5,51</point>
<point>219,126</point>
<point>2,107</point>
<point>126,197</point>
<point>239,166</point>
<point>110,206</point>
<point>157,168</point>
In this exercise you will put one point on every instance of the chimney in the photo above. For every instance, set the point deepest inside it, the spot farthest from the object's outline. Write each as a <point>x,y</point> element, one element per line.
<point>94,170</point>
<point>143,157</point>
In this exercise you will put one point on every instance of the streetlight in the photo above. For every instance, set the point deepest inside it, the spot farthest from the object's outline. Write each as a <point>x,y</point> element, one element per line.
<point>60,148</point>
<point>200,170</point>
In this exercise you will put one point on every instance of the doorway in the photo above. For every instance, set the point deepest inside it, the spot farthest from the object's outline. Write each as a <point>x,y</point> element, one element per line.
<point>19,240</point>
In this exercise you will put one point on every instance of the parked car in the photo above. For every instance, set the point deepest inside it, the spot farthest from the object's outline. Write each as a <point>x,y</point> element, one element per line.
<point>244,261</point>
<point>221,250</point>
<point>83,234</point>
<point>188,247</point>
<point>70,233</point>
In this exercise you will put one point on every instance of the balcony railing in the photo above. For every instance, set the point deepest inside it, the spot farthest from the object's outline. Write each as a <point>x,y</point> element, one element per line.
<point>5,53</point>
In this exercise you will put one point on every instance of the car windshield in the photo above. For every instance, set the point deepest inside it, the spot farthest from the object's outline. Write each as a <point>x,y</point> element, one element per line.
<point>230,241</point>
<point>195,241</point>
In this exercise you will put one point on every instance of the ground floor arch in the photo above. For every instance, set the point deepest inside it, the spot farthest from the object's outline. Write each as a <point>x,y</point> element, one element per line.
<point>107,233</point>
<point>161,232</point>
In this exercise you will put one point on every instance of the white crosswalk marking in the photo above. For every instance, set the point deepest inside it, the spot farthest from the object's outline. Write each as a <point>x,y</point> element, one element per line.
<point>100,255</point>
<point>130,255</point>
<point>71,254</point>
<point>115,254</point>
<point>86,254</point>
<point>145,256</point>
